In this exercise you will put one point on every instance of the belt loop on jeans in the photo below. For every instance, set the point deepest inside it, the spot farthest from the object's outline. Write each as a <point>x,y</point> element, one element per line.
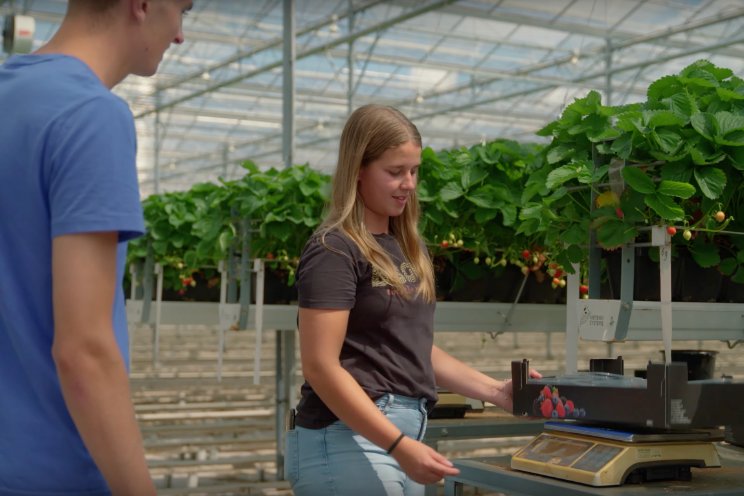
<point>385,400</point>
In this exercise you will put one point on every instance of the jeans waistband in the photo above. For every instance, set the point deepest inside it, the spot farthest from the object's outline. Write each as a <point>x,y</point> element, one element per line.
<point>389,399</point>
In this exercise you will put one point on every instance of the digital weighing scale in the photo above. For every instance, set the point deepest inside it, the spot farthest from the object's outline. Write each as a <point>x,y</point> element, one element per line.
<point>603,428</point>
<point>608,457</point>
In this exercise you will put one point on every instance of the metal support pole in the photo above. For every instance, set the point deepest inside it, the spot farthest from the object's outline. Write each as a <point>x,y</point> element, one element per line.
<point>233,265</point>
<point>285,370</point>
<point>156,164</point>
<point>665,278</point>
<point>288,84</point>
<point>608,74</point>
<point>572,321</point>
<point>245,273</point>
<point>260,271</point>
<point>147,284</point>
<point>225,159</point>
<point>156,325</point>
<point>350,61</point>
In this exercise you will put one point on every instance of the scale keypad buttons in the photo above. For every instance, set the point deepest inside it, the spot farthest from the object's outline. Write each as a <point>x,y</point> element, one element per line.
<point>597,457</point>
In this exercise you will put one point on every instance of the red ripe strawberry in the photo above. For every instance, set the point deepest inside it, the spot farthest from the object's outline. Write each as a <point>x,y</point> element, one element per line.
<point>445,243</point>
<point>569,407</point>
<point>526,254</point>
<point>546,392</point>
<point>546,408</point>
<point>583,289</point>
<point>671,230</point>
<point>560,409</point>
<point>619,212</point>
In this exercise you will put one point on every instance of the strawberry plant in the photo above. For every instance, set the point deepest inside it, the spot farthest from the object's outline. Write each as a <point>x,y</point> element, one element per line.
<point>286,206</point>
<point>194,230</point>
<point>177,232</point>
<point>469,202</point>
<point>676,159</point>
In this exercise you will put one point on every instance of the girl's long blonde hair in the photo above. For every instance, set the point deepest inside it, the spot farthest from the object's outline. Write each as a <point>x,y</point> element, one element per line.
<point>368,133</point>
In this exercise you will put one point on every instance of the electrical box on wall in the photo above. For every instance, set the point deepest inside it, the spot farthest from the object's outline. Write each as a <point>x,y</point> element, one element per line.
<point>18,33</point>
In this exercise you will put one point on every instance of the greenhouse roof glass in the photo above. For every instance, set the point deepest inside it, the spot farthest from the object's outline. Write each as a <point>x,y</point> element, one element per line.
<point>464,71</point>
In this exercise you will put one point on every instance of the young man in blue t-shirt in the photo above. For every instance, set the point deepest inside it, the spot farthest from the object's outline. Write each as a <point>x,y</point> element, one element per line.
<point>69,201</point>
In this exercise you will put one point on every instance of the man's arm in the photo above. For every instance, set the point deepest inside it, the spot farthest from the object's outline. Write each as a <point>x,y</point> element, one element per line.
<point>89,364</point>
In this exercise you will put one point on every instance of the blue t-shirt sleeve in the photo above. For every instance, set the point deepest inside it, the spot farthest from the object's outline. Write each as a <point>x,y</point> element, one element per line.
<point>92,176</point>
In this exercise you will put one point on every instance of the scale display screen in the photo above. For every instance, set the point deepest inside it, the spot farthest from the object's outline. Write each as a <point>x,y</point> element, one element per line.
<point>564,452</point>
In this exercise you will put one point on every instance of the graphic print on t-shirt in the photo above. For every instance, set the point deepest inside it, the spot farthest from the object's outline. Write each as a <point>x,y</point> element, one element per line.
<point>406,275</point>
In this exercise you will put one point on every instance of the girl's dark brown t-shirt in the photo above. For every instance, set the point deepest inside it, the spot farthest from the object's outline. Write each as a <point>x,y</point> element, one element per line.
<point>389,338</point>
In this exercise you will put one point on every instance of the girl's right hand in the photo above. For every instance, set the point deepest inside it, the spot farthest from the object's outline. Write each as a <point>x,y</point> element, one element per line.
<point>422,463</point>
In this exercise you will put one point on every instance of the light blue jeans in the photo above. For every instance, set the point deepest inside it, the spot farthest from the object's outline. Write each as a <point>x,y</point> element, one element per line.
<point>335,461</point>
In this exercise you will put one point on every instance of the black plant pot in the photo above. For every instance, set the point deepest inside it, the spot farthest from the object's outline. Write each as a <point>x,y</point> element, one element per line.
<point>444,274</point>
<point>701,364</point>
<point>731,292</point>
<point>464,289</point>
<point>505,285</point>
<point>646,284</point>
<point>276,289</point>
<point>697,283</point>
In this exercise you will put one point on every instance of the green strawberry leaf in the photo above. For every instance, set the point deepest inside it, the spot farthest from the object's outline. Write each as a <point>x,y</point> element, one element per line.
<point>677,189</point>
<point>705,254</point>
<point>451,191</point>
<point>638,180</point>
<point>665,207</point>
<point>614,233</point>
<point>705,124</point>
<point>711,181</point>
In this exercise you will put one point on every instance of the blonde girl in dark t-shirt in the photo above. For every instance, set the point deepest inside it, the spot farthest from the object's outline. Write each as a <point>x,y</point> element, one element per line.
<point>366,298</point>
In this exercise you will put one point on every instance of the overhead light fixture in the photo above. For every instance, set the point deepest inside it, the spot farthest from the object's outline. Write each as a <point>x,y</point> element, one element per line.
<point>419,98</point>
<point>575,58</point>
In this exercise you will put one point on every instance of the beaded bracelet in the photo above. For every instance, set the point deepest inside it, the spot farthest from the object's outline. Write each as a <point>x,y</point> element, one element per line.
<point>395,443</point>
